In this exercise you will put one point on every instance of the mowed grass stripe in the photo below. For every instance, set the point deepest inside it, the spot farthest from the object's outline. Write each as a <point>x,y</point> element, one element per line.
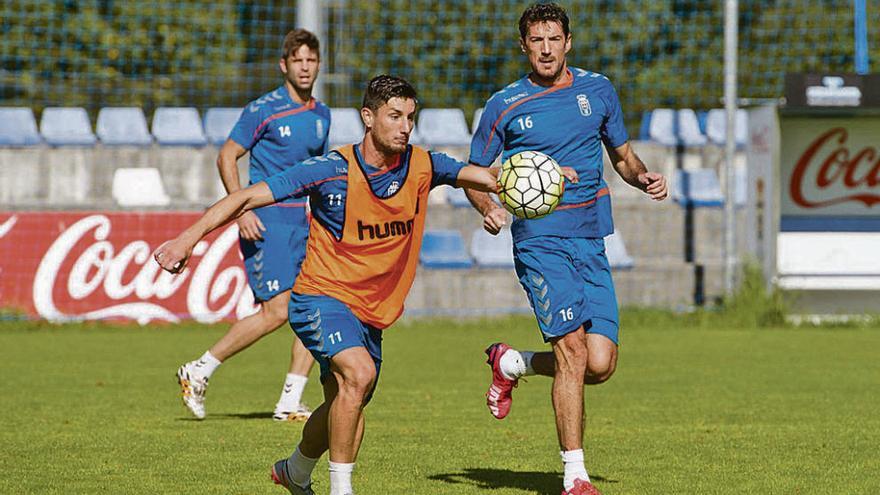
<point>94,409</point>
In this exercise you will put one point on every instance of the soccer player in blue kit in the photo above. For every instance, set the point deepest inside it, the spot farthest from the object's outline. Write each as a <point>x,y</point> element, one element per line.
<point>281,128</point>
<point>568,114</point>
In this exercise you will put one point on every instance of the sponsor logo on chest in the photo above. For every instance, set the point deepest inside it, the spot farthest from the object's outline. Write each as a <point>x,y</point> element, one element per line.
<point>396,228</point>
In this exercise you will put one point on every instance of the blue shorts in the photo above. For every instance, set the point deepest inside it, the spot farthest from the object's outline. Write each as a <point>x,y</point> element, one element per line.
<point>326,326</point>
<point>568,281</point>
<point>273,263</point>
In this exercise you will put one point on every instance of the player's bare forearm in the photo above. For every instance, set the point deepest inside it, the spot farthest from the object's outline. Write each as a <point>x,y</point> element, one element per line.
<point>227,165</point>
<point>478,178</point>
<point>173,254</point>
<point>627,164</point>
<point>481,200</point>
<point>631,169</point>
<point>494,216</point>
<point>231,207</point>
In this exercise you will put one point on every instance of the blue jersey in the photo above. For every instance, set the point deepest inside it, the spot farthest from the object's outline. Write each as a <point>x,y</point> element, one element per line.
<point>324,180</point>
<point>279,132</point>
<point>569,122</point>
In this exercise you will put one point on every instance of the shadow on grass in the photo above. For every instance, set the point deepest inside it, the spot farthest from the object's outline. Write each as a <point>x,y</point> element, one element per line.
<point>483,478</point>
<point>250,415</point>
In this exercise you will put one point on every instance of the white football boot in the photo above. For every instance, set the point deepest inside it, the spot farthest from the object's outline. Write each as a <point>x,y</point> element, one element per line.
<point>284,412</point>
<point>192,388</point>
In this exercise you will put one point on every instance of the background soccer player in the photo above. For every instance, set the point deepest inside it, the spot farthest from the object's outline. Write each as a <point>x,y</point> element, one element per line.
<point>369,203</point>
<point>281,128</point>
<point>567,113</point>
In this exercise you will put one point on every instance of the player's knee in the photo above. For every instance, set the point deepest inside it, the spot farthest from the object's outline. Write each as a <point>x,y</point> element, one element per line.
<point>601,365</point>
<point>599,371</point>
<point>357,382</point>
<point>275,315</point>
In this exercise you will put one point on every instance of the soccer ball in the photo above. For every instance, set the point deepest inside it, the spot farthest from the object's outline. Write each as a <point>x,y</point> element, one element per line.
<point>530,184</point>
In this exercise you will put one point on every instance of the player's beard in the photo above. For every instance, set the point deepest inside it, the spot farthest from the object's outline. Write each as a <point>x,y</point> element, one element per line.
<point>299,87</point>
<point>552,77</point>
<point>389,147</point>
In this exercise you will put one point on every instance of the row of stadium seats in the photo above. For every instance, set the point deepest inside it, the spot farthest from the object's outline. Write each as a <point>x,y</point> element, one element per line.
<point>176,126</point>
<point>689,128</point>
<point>445,249</point>
<point>183,126</point>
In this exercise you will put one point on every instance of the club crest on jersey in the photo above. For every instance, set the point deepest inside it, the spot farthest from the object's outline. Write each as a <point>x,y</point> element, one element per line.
<point>584,105</point>
<point>393,188</point>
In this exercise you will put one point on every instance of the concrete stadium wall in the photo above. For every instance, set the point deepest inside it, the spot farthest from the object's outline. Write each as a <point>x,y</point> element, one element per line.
<point>81,178</point>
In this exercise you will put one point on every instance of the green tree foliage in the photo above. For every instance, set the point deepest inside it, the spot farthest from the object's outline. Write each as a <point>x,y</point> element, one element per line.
<point>660,53</point>
<point>107,53</point>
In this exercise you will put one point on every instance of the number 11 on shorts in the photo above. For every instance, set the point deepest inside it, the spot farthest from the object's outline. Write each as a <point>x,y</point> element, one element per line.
<point>335,337</point>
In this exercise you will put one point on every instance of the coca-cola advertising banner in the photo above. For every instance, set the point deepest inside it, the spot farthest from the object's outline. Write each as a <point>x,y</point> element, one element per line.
<point>84,266</point>
<point>830,173</point>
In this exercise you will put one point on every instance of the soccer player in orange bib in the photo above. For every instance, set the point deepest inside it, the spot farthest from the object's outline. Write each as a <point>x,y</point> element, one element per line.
<point>368,213</point>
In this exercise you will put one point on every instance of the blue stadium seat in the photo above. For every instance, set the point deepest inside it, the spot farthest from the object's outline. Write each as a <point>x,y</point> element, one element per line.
<point>444,249</point>
<point>443,127</point>
<point>456,197</point>
<point>615,250</point>
<point>346,126</point>
<point>671,127</point>
<point>67,126</point>
<point>123,126</point>
<point>716,126</point>
<point>689,128</point>
<point>492,251</point>
<point>219,123</point>
<point>702,115</point>
<point>178,126</point>
<point>18,127</point>
<point>478,114</point>
<point>700,188</point>
<point>662,128</point>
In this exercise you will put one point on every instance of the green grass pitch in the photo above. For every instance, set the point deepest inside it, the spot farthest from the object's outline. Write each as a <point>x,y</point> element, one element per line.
<point>94,409</point>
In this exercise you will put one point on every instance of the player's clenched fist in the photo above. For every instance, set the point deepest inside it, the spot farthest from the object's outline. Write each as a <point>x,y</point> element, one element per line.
<point>495,220</point>
<point>570,174</point>
<point>654,185</point>
<point>250,227</point>
<point>172,255</point>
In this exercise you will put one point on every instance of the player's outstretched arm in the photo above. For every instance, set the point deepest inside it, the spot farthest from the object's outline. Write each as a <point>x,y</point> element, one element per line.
<point>631,169</point>
<point>173,254</point>
<point>479,178</point>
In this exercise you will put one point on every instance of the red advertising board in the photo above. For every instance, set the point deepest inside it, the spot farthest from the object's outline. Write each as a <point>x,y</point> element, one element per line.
<point>90,265</point>
<point>830,173</point>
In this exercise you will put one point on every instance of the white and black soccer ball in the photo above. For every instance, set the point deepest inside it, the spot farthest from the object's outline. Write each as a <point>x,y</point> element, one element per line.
<point>530,184</point>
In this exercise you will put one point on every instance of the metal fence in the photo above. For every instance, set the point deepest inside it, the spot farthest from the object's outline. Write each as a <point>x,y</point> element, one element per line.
<point>222,52</point>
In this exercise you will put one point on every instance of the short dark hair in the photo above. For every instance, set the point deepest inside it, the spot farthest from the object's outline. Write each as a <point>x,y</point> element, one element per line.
<point>541,12</point>
<point>383,87</point>
<point>297,38</point>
